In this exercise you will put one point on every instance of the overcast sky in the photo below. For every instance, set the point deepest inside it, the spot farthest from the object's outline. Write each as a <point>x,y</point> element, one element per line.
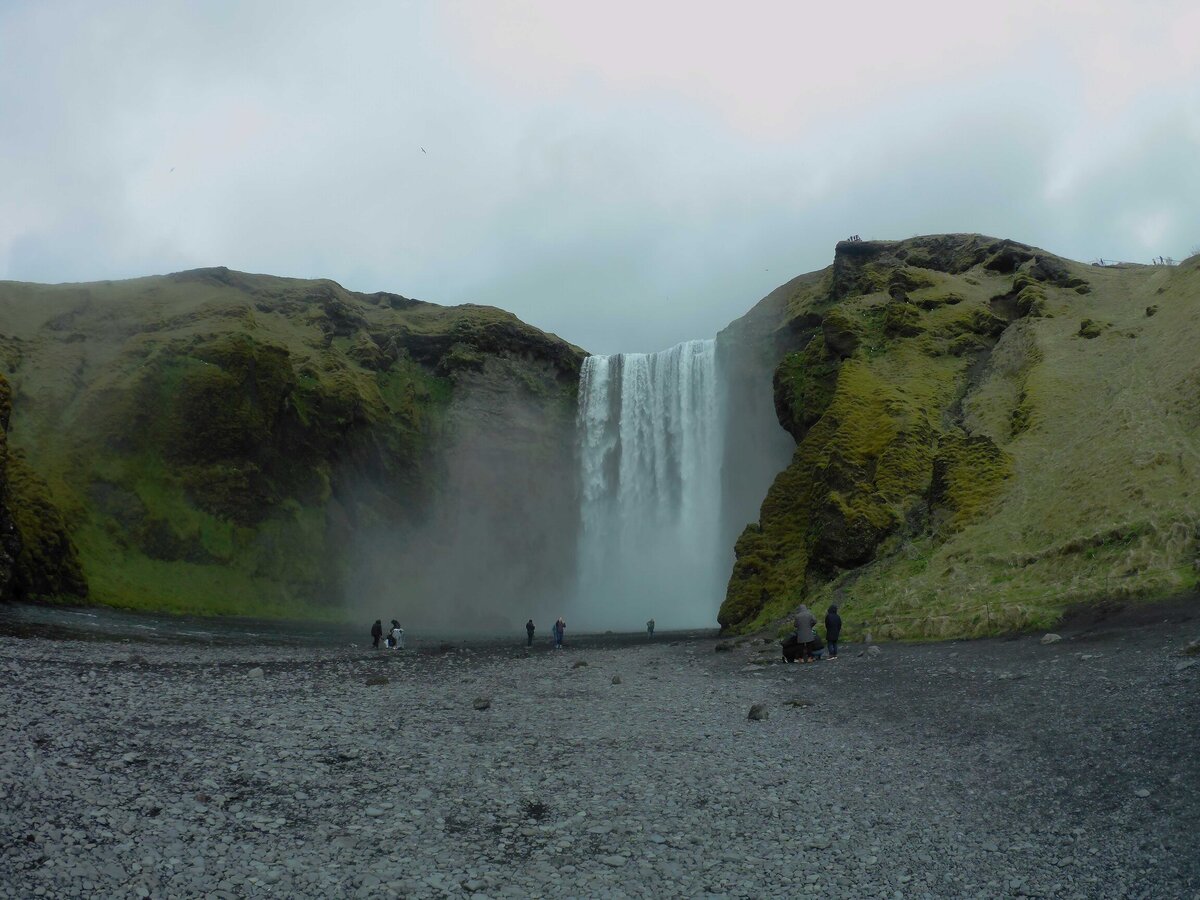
<point>626,174</point>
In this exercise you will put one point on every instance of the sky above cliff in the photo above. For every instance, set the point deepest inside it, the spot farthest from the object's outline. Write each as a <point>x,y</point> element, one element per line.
<point>626,174</point>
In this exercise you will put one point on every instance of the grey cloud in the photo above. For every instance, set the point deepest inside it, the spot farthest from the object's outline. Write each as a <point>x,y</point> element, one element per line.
<point>621,221</point>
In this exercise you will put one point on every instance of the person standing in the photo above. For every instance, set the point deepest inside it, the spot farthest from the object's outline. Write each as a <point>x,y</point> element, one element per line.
<point>805,623</point>
<point>560,627</point>
<point>376,633</point>
<point>650,628</point>
<point>530,628</point>
<point>833,629</point>
<point>397,636</point>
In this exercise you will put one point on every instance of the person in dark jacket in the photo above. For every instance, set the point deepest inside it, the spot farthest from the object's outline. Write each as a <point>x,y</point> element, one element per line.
<point>376,633</point>
<point>530,628</point>
<point>833,629</point>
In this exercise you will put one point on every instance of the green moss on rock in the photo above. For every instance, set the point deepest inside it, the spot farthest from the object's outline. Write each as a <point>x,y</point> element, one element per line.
<point>841,332</point>
<point>1031,302</point>
<point>968,474</point>
<point>804,383</point>
<point>855,475</point>
<point>47,564</point>
<point>901,319</point>
<point>38,559</point>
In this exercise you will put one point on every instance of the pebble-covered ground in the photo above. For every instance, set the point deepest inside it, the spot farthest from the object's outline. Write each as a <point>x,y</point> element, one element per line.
<point>982,769</point>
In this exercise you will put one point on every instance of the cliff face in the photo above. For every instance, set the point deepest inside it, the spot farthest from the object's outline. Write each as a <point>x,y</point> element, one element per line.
<point>985,434</point>
<point>37,557</point>
<point>226,443</point>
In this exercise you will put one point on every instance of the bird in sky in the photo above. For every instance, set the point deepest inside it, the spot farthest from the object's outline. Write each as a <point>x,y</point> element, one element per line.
<point>423,151</point>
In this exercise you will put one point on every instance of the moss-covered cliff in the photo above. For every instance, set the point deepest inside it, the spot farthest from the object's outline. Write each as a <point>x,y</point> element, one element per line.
<point>217,442</point>
<point>37,558</point>
<point>971,456</point>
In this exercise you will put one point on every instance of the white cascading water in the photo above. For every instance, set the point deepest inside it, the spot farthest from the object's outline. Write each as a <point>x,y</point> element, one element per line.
<point>650,451</point>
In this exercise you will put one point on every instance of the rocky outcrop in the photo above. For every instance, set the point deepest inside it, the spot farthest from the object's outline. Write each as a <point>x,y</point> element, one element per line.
<point>918,380</point>
<point>37,558</point>
<point>224,442</point>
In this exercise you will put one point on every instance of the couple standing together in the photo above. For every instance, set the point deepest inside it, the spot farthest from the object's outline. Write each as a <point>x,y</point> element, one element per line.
<point>806,635</point>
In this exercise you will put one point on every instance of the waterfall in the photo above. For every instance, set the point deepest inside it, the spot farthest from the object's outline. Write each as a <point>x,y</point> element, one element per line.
<point>650,457</point>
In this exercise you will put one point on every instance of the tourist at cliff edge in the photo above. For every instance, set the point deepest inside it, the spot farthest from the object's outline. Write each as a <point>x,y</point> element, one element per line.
<point>530,628</point>
<point>376,633</point>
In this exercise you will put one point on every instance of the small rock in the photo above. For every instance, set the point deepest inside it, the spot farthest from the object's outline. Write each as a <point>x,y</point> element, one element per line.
<point>1192,649</point>
<point>1141,792</point>
<point>1184,665</point>
<point>256,673</point>
<point>616,679</point>
<point>579,664</point>
<point>724,647</point>
<point>873,650</point>
<point>990,847</point>
<point>374,812</point>
<point>375,680</point>
<point>614,861</point>
<point>481,703</point>
<point>758,712</point>
<point>1051,638</point>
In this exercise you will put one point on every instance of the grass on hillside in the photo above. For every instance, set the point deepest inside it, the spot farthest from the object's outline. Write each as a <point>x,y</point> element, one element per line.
<point>153,407</point>
<point>1103,438</point>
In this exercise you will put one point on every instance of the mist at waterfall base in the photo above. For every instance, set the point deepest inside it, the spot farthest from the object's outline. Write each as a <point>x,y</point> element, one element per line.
<point>494,542</point>
<point>624,509</point>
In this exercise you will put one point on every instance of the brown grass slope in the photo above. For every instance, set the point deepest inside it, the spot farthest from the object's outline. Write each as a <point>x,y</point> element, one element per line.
<point>212,439</point>
<point>986,435</point>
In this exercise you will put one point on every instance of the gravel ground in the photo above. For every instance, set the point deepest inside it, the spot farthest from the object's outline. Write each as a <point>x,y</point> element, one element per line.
<point>980,769</point>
